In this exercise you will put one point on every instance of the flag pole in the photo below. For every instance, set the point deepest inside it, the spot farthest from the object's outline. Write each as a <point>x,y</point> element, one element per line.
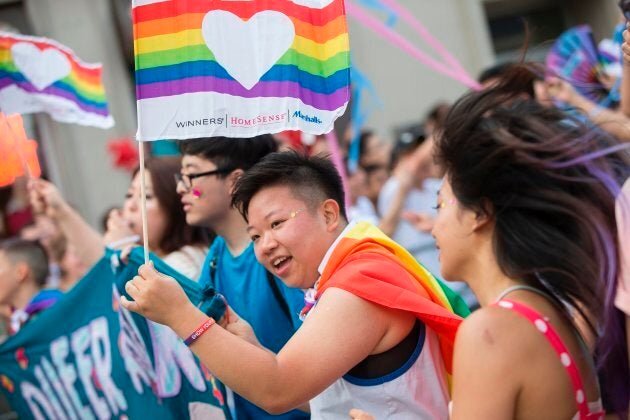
<point>143,203</point>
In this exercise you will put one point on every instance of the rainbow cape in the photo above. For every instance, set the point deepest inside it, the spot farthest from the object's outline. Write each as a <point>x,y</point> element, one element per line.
<point>239,68</point>
<point>41,75</point>
<point>368,264</point>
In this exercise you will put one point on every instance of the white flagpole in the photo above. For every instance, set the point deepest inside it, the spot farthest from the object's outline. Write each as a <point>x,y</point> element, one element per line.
<point>143,203</point>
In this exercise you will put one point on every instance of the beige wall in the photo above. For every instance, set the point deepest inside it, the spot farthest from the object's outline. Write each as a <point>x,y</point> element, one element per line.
<point>76,156</point>
<point>407,87</point>
<point>602,15</point>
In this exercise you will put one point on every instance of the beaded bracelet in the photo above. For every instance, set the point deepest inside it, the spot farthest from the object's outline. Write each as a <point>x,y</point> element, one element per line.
<point>199,331</point>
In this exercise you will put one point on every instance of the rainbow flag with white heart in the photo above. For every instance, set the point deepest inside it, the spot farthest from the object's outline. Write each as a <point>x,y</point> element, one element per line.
<point>41,75</point>
<point>239,68</point>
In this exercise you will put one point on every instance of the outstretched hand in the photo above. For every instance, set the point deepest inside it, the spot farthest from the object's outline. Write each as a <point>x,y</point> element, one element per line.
<point>45,198</point>
<point>156,296</point>
<point>118,228</point>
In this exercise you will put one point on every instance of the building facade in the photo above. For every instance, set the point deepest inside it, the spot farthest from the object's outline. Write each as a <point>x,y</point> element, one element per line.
<point>477,32</point>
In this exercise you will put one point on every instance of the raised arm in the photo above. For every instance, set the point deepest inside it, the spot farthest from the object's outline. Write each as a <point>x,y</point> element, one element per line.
<point>615,123</point>
<point>391,218</point>
<point>408,173</point>
<point>88,243</point>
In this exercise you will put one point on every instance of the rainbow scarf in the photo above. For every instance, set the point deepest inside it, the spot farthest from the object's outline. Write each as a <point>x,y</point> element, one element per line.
<point>239,68</point>
<point>39,74</point>
<point>368,264</point>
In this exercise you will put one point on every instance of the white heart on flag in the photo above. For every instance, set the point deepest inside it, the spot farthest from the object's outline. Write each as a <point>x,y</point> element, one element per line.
<point>313,4</point>
<point>247,49</point>
<point>41,68</point>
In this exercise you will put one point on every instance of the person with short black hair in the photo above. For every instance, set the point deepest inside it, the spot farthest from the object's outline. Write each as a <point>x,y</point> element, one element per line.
<point>210,169</point>
<point>378,328</point>
<point>23,275</point>
<point>312,179</point>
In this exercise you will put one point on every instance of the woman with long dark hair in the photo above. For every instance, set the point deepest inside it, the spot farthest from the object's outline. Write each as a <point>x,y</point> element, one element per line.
<point>181,246</point>
<point>526,216</point>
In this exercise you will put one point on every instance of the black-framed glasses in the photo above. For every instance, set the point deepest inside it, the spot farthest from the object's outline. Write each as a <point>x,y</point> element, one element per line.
<point>186,179</point>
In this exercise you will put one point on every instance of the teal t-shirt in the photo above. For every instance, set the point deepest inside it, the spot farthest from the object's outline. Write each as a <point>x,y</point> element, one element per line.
<point>244,283</point>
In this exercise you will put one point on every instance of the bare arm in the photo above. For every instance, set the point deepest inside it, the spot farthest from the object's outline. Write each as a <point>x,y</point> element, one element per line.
<point>411,171</point>
<point>340,332</point>
<point>88,243</point>
<point>481,364</point>
<point>615,123</point>
<point>391,218</point>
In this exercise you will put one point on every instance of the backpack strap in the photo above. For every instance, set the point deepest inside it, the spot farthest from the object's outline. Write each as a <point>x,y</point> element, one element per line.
<point>278,295</point>
<point>213,271</point>
<point>284,306</point>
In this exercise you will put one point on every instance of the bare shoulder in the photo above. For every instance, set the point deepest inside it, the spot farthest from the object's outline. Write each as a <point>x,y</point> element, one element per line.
<point>338,301</point>
<point>491,347</point>
<point>340,307</point>
<point>388,326</point>
<point>493,329</point>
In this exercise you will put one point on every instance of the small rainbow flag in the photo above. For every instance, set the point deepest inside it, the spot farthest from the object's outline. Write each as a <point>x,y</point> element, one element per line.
<point>41,75</point>
<point>18,154</point>
<point>239,68</point>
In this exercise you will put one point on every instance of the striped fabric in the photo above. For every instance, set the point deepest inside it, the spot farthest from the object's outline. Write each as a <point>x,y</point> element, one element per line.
<point>41,75</point>
<point>368,264</point>
<point>249,67</point>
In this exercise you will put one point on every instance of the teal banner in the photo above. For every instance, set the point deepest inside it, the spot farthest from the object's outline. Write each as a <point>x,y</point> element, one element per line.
<point>86,357</point>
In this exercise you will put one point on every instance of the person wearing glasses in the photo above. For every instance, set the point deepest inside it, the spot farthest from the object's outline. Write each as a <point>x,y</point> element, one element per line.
<point>210,169</point>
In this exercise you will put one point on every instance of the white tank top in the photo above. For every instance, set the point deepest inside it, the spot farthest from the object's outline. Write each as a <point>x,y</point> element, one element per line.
<point>417,390</point>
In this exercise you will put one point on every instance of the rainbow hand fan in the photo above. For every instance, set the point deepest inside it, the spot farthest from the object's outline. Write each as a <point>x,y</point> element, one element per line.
<point>575,58</point>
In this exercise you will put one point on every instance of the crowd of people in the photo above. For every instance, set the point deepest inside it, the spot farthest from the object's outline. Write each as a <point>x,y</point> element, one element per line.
<point>522,208</point>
